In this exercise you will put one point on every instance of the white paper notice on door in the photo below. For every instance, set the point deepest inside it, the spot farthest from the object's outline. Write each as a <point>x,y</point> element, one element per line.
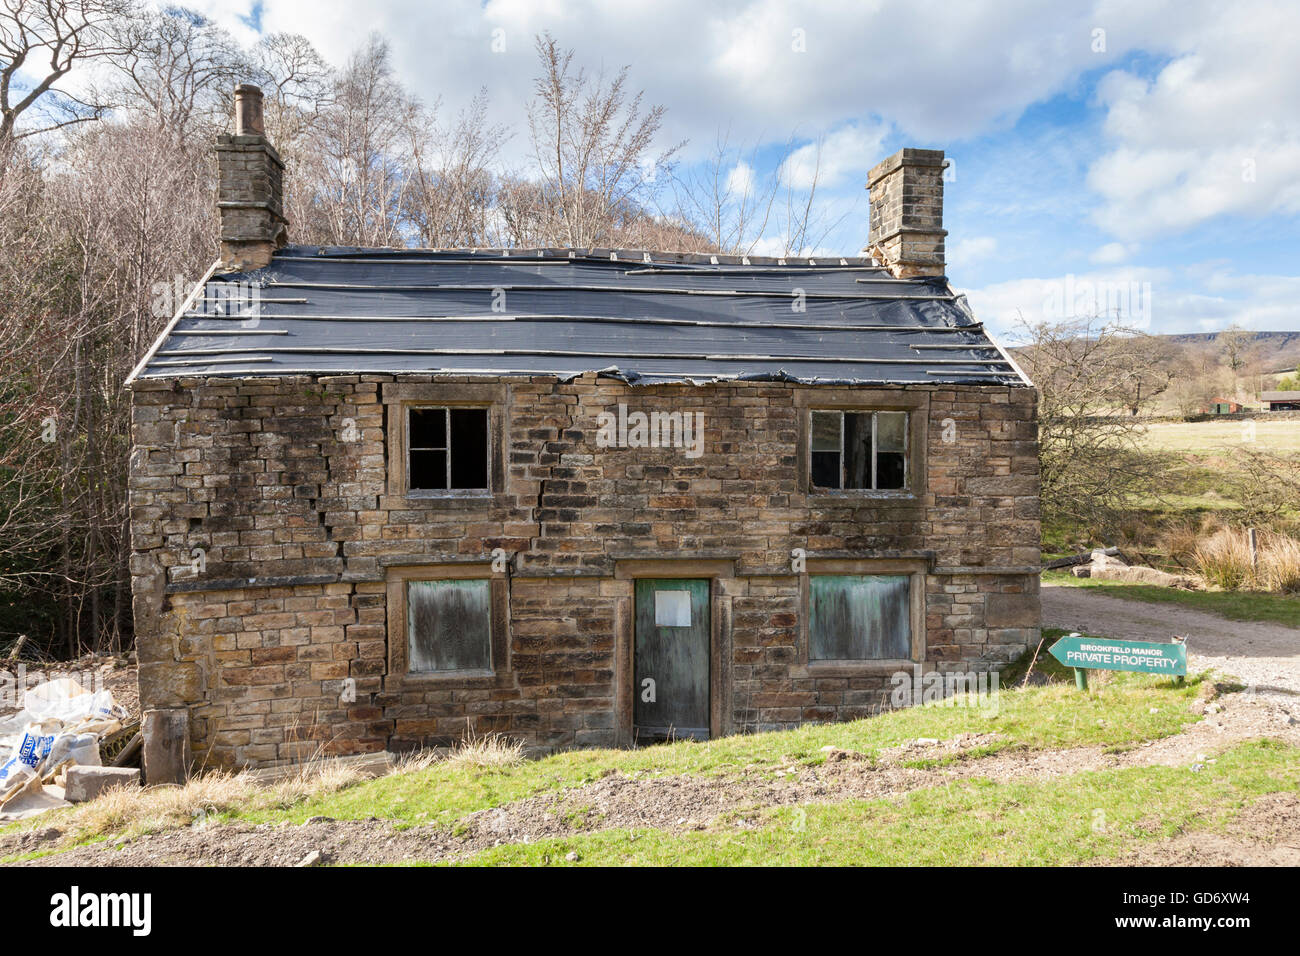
<point>672,609</point>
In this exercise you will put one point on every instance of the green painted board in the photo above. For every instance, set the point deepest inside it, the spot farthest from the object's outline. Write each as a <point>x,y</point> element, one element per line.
<point>1105,654</point>
<point>448,625</point>
<point>859,617</point>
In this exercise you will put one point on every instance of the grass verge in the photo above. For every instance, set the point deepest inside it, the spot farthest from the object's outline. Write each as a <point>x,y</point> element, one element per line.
<point>1234,605</point>
<point>1081,818</point>
<point>1128,709</point>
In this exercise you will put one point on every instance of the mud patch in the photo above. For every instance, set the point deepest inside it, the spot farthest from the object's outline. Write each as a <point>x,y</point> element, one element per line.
<point>1265,833</point>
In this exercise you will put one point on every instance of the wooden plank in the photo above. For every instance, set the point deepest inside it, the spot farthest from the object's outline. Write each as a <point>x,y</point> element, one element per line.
<point>448,625</point>
<point>671,658</point>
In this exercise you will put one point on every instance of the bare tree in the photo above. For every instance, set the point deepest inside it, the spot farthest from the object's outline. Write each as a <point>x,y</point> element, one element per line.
<point>728,200</point>
<point>593,146</point>
<point>1092,465</point>
<point>48,39</point>
<point>178,67</point>
<point>361,155</point>
<point>453,185</point>
<point>1235,343</point>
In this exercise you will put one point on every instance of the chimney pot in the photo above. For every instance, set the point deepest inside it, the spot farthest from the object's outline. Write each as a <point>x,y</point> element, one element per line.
<point>248,111</point>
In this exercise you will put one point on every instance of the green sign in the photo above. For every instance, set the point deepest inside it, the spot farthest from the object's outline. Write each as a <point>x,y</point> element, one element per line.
<point>1104,654</point>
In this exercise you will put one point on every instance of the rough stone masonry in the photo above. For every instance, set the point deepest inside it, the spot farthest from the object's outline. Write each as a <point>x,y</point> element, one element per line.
<point>299,534</point>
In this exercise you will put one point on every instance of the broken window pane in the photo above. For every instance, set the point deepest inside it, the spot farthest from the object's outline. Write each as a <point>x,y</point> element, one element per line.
<point>428,428</point>
<point>428,469</point>
<point>859,617</point>
<point>448,626</point>
<point>826,469</point>
<point>857,450</point>
<point>469,447</point>
<point>447,449</point>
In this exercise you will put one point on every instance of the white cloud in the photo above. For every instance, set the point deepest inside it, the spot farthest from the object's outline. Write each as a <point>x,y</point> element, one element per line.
<point>936,71</point>
<point>740,181</point>
<point>844,155</point>
<point>965,253</point>
<point>1215,132</point>
<point>1112,253</point>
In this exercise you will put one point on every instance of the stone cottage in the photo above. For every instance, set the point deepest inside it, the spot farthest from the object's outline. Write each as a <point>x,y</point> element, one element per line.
<point>581,497</point>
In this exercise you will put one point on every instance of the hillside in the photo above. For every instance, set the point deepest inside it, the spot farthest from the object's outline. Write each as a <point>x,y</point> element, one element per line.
<point>1275,351</point>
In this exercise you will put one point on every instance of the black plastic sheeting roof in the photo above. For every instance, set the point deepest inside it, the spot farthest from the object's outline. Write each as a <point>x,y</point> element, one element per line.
<point>643,317</point>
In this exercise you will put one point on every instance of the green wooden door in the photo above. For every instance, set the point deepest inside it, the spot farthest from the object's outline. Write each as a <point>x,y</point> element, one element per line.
<point>671,659</point>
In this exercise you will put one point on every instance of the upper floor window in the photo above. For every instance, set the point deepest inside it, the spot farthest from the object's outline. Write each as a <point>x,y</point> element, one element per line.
<point>447,448</point>
<point>859,450</point>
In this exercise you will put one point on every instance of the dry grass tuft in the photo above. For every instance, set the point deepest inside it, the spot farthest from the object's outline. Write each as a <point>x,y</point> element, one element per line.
<point>1281,564</point>
<point>486,753</point>
<point>131,811</point>
<point>1223,560</point>
<point>416,761</point>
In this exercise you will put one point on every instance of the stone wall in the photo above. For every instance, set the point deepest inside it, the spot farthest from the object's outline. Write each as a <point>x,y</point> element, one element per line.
<point>266,530</point>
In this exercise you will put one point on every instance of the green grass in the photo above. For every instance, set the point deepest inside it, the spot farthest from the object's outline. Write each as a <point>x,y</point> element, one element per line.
<point>1234,605</point>
<point>1043,662</point>
<point>1075,819</point>
<point>1129,708</point>
<point>1213,437</point>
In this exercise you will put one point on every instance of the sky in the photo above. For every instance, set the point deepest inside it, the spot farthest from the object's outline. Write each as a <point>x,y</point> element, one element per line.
<point>1132,157</point>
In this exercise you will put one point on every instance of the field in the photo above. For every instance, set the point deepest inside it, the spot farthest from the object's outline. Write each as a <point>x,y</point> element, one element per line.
<point>1215,438</point>
<point>1207,482</point>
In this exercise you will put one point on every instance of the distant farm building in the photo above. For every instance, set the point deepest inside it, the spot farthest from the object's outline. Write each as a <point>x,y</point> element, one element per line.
<point>1223,406</point>
<point>1281,401</point>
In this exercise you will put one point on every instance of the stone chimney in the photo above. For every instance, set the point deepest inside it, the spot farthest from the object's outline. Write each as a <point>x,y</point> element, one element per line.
<point>907,213</point>
<point>250,188</point>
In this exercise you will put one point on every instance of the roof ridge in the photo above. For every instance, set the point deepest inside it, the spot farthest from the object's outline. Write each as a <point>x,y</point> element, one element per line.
<point>624,256</point>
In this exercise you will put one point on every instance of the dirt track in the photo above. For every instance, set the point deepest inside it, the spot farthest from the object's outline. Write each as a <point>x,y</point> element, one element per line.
<point>1266,657</point>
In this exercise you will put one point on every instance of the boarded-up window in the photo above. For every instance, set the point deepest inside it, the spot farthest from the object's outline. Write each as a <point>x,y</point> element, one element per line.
<point>859,617</point>
<point>865,450</point>
<point>447,449</point>
<point>448,626</point>
<point>672,608</point>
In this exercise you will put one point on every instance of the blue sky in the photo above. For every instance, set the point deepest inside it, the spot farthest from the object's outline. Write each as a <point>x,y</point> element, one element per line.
<point>1146,154</point>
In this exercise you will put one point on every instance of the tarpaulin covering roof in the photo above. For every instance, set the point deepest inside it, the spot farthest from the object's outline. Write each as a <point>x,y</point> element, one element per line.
<point>643,317</point>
